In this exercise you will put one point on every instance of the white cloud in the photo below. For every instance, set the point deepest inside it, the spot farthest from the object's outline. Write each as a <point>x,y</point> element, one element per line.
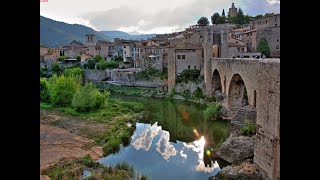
<point>146,16</point>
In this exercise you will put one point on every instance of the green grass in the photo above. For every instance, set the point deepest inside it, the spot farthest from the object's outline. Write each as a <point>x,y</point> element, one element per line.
<point>72,170</point>
<point>249,129</point>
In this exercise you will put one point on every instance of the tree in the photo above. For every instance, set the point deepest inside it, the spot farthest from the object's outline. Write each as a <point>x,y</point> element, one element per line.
<point>78,58</point>
<point>57,68</point>
<point>263,47</point>
<point>214,18</point>
<point>221,20</point>
<point>97,58</point>
<point>247,19</point>
<point>203,21</point>
<point>240,17</point>
<point>223,14</point>
<point>258,16</point>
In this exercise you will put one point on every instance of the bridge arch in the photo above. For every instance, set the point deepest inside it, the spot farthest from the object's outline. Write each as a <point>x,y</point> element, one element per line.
<point>237,94</point>
<point>216,81</point>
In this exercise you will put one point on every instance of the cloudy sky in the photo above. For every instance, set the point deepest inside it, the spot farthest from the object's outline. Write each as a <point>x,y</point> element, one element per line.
<point>146,16</point>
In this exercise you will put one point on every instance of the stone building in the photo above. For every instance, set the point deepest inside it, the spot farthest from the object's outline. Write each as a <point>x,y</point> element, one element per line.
<point>268,27</point>
<point>233,11</point>
<point>90,40</point>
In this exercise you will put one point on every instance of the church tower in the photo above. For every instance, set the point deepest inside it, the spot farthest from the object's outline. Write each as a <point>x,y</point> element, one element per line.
<point>233,11</point>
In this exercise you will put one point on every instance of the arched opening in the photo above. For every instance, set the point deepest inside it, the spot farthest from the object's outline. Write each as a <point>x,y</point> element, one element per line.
<point>254,98</point>
<point>216,85</point>
<point>237,97</point>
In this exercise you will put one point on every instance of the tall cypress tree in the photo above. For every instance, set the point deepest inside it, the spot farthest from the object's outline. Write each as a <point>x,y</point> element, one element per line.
<point>240,17</point>
<point>223,14</point>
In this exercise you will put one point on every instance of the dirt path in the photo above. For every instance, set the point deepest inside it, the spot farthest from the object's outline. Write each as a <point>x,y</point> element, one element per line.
<point>61,138</point>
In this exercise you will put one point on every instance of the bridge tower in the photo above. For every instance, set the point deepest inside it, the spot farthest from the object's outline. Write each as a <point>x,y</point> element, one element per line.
<point>208,57</point>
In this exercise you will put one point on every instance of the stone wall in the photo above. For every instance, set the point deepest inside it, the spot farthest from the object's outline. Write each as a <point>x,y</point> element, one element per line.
<point>267,148</point>
<point>190,86</point>
<point>152,83</point>
<point>262,81</point>
<point>272,34</point>
<point>193,60</point>
<point>96,75</point>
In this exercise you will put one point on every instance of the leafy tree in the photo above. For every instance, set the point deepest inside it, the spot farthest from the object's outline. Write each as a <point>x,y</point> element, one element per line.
<point>73,72</point>
<point>97,58</point>
<point>232,20</point>
<point>78,58</point>
<point>62,89</point>
<point>61,58</point>
<point>203,21</point>
<point>221,20</point>
<point>57,68</point>
<point>214,18</point>
<point>268,14</point>
<point>247,19</point>
<point>91,64</point>
<point>223,14</point>
<point>88,98</point>
<point>44,90</point>
<point>240,17</point>
<point>258,16</point>
<point>198,93</point>
<point>263,47</point>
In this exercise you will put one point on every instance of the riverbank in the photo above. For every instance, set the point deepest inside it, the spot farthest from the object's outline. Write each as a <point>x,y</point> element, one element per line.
<point>152,92</point>
<point>67,135</point>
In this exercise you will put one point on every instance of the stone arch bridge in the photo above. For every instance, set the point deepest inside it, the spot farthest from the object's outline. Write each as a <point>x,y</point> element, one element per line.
<point>253,83</point>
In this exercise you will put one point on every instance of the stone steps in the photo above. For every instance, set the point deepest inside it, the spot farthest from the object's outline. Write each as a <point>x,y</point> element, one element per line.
<point>238,120</point>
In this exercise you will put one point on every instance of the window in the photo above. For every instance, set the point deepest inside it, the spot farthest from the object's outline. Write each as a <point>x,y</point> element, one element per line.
<point>266,21</point>
<point>275,25</point>
<point>188,66</point>
<point>277,40</point>
<point>242,49</point>
<point>275,19</point>
<point>238,49</point>
<point>125,52</point>
<point>124,46</point>
<point>237,41</point>
<point>183,56</point>
<point>277,47</point>
<point>195,67</point>
<point>179,57</point>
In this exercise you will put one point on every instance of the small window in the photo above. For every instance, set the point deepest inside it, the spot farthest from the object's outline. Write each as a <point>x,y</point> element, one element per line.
<point>124,46</point>
<point>188,66</point>
<point>195,67</point>
<point>275,19</point>
<point>266,21</point>
<point>242,49</point>
<point>277,47</point>
<point>125,52</point>
<point>179,57</point>
<point>237,41</point>
<point>277,40</point>
<point>183,56</point>
<point>275,25</point>
<point>238,49</point>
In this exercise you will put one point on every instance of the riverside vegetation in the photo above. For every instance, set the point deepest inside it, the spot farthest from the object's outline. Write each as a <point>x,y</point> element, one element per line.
<point>67,93</point>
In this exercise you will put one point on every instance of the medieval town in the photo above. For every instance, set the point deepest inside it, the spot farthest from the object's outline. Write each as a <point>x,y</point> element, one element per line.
<point>210,92</point>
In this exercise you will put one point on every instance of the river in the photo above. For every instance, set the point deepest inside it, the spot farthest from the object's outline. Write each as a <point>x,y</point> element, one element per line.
<point>172,141</point>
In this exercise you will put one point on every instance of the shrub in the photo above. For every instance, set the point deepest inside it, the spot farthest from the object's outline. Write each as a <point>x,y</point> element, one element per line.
<point>126,167</point>
<point>263,47</point>
<point>198,93</point>
<point>144,177</point>
<point>62,58</point>
<point>112,146</point>
<point>73,72</point>
<point>88,98</point>
<point>62,89</point>
<point>87,160</point>
<point>188,74</point>
<point>249,129</point>
<point>57,68</point>
<point>91,64</point>
<point>44,90</point>
<point>102,65</point>
<point>172,92</point>
<point>212,112</point>
<point>125,138</point>
<point>149,73</point>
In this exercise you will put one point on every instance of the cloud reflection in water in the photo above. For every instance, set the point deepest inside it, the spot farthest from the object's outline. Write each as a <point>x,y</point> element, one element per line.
<point>160,138</point>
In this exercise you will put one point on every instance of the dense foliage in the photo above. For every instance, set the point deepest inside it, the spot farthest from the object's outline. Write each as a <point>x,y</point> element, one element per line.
<point>73,72</point>
<point>249,129</point>
<point>88,98</point>
<point>151,72</point>
<point>63,88</point>
<point>44,90</point>
<point>188,75</point>
<point>263,47</point>
<point>203,21</point>
<point>198,93</point>
<point>212,112</point>
<point>57,68</point>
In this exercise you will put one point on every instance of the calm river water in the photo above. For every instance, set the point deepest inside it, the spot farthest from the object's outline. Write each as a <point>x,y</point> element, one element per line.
<point>173,141</point>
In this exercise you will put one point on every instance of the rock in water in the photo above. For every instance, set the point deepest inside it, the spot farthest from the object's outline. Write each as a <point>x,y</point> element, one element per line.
<point>236,149</point>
